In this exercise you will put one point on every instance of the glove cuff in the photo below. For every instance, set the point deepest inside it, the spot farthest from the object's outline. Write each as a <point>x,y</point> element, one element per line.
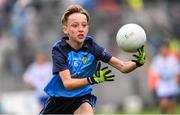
<point>91,81</point>
<point>137,63</point>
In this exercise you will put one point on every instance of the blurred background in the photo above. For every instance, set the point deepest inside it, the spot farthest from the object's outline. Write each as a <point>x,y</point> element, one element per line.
<point>31,26</point>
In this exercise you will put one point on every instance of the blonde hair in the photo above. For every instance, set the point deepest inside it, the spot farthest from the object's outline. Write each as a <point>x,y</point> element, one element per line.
<point>73,9</point>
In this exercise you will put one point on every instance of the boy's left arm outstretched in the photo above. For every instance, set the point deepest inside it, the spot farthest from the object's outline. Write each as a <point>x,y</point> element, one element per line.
<point>128,66</point>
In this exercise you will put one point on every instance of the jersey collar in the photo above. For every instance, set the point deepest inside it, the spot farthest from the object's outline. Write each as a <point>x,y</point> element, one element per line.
<point>63,41</point>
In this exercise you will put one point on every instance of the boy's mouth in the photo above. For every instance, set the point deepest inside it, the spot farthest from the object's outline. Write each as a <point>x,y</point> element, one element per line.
<point>80,35</point>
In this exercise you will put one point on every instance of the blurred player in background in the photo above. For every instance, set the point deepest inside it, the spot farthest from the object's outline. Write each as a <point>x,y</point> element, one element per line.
<point>37,76</point>
<point>165,69</point>
<point>75,58</point>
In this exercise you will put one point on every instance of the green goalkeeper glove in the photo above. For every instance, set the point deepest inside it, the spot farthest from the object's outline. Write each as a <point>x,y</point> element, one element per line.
<point>101,75</point>
<point>140,58</point>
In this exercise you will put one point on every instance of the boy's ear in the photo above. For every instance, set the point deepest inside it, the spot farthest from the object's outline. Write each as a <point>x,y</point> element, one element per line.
<point>65,29</point>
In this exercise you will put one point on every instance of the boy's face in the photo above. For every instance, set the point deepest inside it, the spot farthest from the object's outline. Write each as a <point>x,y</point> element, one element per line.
<point>76,27</point>
<point>164,50</point>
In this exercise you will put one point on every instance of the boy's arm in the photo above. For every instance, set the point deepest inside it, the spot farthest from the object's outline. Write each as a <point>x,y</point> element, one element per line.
<point>70,83</point>
<point>124,67</point>
<point>128,66</point>
<point>101,75</point>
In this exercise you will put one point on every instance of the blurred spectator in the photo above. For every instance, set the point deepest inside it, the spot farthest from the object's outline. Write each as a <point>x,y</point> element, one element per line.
<point>25,28</point>
<point>37,75</point>
<point>19,18</point>
<point>5,11</point>
<point>165,70</point>
<point>7,49</point>
<point>87,4</point>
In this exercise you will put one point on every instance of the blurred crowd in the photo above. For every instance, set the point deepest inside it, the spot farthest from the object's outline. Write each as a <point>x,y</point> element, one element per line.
<point>35,24</point>
<point>31,26</point>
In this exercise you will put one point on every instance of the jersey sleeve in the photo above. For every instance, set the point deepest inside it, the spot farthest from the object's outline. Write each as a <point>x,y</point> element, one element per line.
<point>101,53</point>
<point>59,61</point>
<point>176,67</point>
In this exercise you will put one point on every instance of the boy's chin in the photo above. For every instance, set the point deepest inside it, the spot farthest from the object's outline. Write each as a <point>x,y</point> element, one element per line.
<point>80,40</point>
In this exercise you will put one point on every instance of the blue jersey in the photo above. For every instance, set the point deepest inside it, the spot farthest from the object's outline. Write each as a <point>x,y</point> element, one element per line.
<point>81,63</point>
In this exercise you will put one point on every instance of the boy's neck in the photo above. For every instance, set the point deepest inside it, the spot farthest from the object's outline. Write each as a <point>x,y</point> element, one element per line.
<point>74,45</point>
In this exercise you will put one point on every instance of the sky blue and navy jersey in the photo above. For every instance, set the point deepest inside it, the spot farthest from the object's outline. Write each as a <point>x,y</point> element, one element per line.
<point>81,63</point>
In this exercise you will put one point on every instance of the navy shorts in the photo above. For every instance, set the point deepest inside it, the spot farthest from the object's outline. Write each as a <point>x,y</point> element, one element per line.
<point>63,105</point>
<point>170,97</point>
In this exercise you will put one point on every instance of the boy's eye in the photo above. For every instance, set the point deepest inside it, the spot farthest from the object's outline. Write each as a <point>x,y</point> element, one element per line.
<point>74,25</point>
<point>84,25</point>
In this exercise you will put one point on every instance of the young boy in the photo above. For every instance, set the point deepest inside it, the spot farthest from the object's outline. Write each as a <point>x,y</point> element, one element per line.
<point>74,66</point>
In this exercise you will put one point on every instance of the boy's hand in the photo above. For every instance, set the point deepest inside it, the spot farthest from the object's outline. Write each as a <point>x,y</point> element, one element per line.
<point>101,75</point>
<point>140,58</point>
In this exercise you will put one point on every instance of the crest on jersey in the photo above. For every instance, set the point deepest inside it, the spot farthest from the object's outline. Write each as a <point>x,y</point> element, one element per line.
<point>84,60</point>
